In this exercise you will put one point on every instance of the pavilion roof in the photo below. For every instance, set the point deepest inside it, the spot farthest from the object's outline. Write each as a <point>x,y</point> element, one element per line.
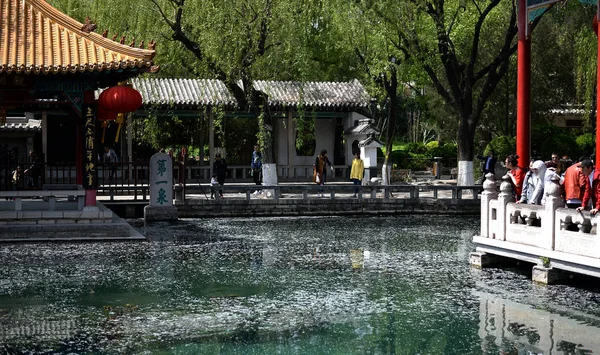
<point>36,38</point>
<point>320,95</point>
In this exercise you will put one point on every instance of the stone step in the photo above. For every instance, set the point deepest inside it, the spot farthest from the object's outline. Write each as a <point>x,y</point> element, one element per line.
<point>63,232</point>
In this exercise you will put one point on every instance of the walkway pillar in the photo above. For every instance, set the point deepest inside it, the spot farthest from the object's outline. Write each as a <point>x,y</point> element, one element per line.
<point>211,140</point>
<point>524,87</point>
<point>291,144</point>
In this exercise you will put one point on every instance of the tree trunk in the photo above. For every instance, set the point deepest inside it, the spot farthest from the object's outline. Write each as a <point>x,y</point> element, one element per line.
<point>466,135</point>
<point>266,128</point>
<point>391,87</point>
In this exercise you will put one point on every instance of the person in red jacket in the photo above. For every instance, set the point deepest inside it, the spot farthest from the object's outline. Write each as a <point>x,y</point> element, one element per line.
<point>574,185</point>
<point>516,174</point>
<point>592,187</point>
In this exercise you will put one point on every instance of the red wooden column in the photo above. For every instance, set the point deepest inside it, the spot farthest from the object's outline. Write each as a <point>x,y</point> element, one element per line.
<point>598,87</point>
<point>523,88</point>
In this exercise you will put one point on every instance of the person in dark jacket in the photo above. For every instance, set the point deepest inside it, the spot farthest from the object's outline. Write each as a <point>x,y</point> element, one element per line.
<point>35,171</point>
<point>489,163</point>
<point>220,169</point>
<point>256,165</point>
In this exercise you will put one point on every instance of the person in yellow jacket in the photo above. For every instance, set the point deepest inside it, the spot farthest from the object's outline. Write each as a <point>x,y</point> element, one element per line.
<point>357,171</point>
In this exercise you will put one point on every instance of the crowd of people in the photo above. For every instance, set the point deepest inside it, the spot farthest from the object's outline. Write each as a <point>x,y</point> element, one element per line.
<point>579,181</point>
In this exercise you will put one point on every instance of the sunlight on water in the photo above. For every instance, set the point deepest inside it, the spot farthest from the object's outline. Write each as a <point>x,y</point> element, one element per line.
<point>315,285</point>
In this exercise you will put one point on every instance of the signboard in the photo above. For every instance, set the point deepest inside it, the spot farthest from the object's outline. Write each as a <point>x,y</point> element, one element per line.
<point>90,161</point>
<point>161,180</point>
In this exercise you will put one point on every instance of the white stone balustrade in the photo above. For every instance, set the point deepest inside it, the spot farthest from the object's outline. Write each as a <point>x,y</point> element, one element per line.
<point>566,238</point>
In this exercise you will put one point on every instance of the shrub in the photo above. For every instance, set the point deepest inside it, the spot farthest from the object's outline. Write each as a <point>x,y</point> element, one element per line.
<point>586,143</point>
<point>502,147</point>
<point>561,143</point>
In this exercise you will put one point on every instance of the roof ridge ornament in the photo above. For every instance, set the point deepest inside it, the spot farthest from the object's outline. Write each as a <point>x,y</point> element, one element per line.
<point>88,26</point>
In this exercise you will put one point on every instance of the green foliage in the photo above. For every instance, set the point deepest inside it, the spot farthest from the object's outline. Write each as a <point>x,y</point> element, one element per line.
<point>502,146</point>
<point>562,144</point>
<point>546,139</point>
<point>586,144</point>
<point>545,261</point>
<point>418,156</point>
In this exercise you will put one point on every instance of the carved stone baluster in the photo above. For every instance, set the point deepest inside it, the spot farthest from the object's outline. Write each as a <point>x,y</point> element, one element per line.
<point>531,218</point>
<point>489,193</point>
<point>553,201</point>
<point>505,196</point>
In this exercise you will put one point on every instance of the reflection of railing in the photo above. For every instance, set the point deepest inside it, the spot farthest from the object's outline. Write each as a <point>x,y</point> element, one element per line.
<point>566,237</point>
<point>505,325</point>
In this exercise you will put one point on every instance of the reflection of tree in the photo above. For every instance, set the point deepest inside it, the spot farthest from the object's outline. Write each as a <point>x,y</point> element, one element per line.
<point>569,348</point>
<point>520,330</point>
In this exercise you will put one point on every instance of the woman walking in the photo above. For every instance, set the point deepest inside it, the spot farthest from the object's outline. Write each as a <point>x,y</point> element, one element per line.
<point>320,169</point>
<point>357,171</point>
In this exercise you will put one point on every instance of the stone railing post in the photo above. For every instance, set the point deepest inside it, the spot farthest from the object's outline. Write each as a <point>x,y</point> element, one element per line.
<point>553,201</point>
<point>506,195</point>
<point>489,193</point>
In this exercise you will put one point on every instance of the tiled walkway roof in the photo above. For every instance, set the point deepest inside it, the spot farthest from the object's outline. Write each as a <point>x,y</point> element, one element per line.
<point>37,38</point>
<point>21,124</point>
<point>183,92</point>
<point>323,95</point>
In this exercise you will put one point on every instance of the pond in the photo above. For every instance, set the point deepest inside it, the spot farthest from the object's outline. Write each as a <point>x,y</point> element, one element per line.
<point>314,285</point>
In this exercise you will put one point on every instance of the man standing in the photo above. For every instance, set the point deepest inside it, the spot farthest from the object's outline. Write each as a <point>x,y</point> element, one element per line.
<point>256,166</point>
<point>591,185</point>
<point>220,169</point>
<point>111,160</point>
<point>489,164</point>
<point>34,171</point>
<point>575,183</point>
<point>553,163</point>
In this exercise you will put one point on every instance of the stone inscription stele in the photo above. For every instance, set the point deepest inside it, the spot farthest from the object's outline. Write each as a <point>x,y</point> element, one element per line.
<point>161,180</point>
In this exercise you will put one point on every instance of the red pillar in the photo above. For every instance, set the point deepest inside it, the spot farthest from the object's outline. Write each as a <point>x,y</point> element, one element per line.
<point>598,92</point>
<point>523,88</point>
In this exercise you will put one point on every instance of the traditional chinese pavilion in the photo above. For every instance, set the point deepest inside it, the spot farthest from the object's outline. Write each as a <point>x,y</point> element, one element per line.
<point>50,65</point>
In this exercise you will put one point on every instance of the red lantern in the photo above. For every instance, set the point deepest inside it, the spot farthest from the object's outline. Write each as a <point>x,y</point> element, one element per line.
<point>121,98</point>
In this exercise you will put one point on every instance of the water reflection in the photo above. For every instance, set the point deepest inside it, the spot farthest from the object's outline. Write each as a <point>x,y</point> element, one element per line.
<point>513,328</point>
<point>346,285</point>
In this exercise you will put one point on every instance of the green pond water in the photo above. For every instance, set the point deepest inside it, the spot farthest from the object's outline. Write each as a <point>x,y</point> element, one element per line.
<point>314,285</point>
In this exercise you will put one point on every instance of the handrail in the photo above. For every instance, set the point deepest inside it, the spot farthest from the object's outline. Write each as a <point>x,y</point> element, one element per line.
<point>384,192</point>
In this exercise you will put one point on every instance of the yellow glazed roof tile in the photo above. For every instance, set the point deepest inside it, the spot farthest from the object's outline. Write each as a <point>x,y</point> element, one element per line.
<point>36,38</point>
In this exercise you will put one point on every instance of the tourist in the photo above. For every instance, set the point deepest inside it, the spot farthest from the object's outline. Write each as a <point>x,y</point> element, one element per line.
<point>320,169</point>
<point>34,171</point>
<point>220,169</point>
<point>256,166</point>
<point>553,163</point>
<point>17,178</point>
<point>590,195</point>
<point>111,159</point>
<point>489,163</point>
<point>528,185</point>
<point>574,184</point>
<point>539,176</point>
<point>516,174</point>
<point>213,182</point>
<point>357,171</point>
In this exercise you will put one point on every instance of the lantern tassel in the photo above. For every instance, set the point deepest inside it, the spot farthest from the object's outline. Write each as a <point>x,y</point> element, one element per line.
<point>104,124</point>
<point>120,121</point>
